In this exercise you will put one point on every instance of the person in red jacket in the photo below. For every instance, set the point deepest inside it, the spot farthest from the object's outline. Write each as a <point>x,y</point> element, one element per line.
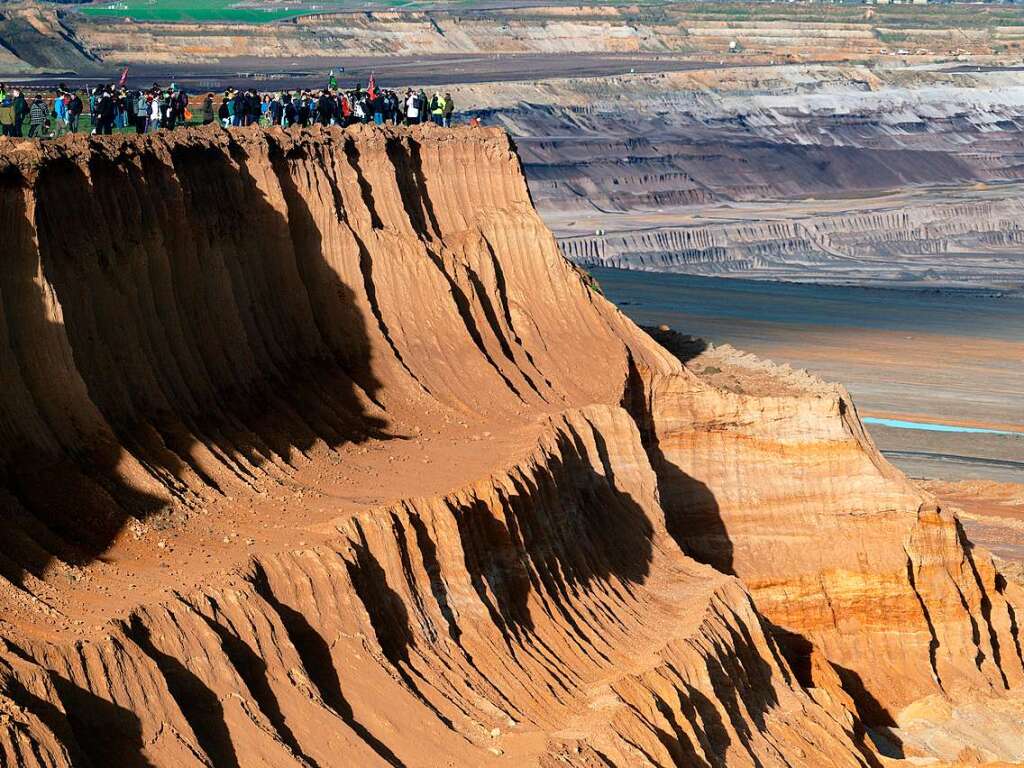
<point>346,111</point>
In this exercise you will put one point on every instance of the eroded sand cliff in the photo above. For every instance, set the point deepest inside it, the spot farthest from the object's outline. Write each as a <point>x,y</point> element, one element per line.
<point>315,451</point>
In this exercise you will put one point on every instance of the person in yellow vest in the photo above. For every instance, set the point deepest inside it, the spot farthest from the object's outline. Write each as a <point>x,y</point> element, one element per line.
<point>437,108</point>
<point>7,116</point>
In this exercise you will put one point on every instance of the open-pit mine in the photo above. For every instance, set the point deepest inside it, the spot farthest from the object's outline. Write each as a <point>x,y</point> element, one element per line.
<point>421,447</point>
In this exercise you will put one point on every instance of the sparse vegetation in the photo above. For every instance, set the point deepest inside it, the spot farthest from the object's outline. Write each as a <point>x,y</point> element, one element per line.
<point>888,36</point>
<point>909,17</point>
<point>188,10</point>
<point>238,11</point>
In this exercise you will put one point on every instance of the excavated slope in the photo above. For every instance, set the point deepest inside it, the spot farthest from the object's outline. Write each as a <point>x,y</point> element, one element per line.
<point>746,31</point>
<point>473,495</point>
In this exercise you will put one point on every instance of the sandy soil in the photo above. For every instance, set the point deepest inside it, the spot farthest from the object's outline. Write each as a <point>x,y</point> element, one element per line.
<point>993,517</point>
<point>432,458</point>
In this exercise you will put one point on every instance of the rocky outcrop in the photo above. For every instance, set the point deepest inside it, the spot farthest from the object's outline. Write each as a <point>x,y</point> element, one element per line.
<point>484,492</point>
<point>542,614</point>
<point>250,263</point>
<point>840,551</point>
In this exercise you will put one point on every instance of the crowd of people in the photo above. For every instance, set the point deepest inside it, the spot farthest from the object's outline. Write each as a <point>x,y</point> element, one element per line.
<point>333,107</point>
<point>143,110</point>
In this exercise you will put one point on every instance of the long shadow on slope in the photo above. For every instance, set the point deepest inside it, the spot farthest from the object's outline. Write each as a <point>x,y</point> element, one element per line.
<point>872,715</point>
<point>55,487</point>
<point>200,705</point>
<point>692,515</point>
<point>190,337</point>
<point>315,653</point>
<point>741,686</point>
<point>406,157</point>
<point>94,731</point>
<point>677,743</point>
<point>874,721</point>
<point>568,536</point>
<point>253,670</point>
<point>554,560</point>
<point>986,609</point>
<point>107,733</point>
<point>389,617</point>
<point>569,544</point>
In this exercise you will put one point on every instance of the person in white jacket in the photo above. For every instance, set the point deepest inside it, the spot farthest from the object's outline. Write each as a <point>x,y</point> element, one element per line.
<point>155,113</point>
<point>412,111</point>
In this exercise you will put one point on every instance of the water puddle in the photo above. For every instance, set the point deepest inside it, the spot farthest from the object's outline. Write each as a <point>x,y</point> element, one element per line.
<point>927,426</point>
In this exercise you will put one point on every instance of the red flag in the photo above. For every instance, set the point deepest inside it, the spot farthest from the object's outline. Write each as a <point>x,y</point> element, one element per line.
<point>124,78</point>
<point>371,87</point>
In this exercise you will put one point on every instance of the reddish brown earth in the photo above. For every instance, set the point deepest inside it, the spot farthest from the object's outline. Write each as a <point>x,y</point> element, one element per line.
<point>314,451</point>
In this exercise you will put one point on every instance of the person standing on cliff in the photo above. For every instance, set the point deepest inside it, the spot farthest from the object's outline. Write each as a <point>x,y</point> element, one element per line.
<point>302,110</point>
<point>253,108</point>
<point>448,111</point>
<point>129,103</point>
<point>291,112</point>
<point>359,106</point>
<point>75,107</point>
<point>409,108</point>
<point>37,117</point>
<point>241,107</point>
<point>238,108</point>
<point>6,115</point>
<point>156,112</point>
<point>60,115</point>
<point>122,110</point>
<point>275,109</point>
<point>325,109</point>
<point>208,116</point>
<point>435,108</point>
<point>393,108</point>
<point>376,109</point>
<point>103,118</point>
<point>181,104</point>
<point>170,116</point>
<point>177,102</point>
<point>345,108</point>
<point>142,110</point>
<point>166,111</point>
<point>21,110</point>
<point>224,110</point>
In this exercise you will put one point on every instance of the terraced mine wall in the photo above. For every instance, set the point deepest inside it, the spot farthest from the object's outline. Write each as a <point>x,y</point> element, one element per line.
<point>738,31</point>
<point>832,173</point>
<point>869,243</point>
<point>680,161</point>
<point>648,568</point>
